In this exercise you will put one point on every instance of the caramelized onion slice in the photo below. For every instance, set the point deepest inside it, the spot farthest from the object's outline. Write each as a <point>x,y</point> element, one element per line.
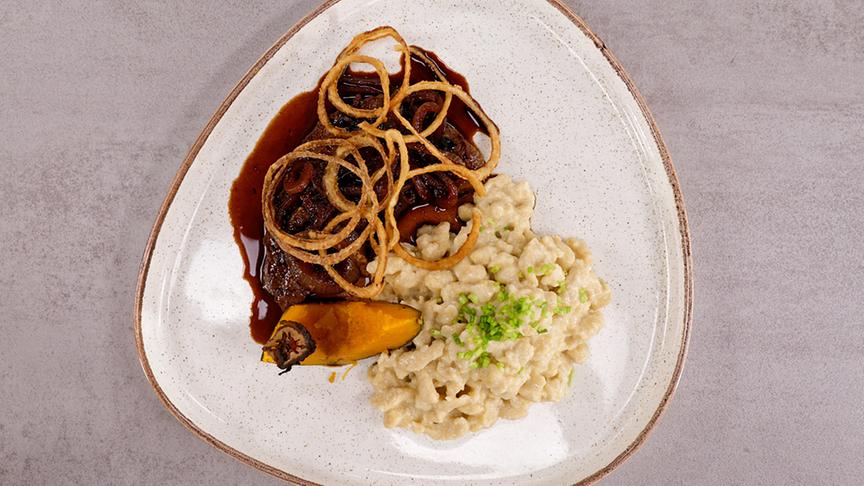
<point>322,241</point>
<point>376,212</point>
<point>328,90</point>
<point>377,284</point>
<point>491,128</point>
<point>400,96</point>
<point>465,249</point>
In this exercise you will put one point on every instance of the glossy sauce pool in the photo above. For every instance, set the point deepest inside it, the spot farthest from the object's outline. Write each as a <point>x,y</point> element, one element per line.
<point>294,121</point>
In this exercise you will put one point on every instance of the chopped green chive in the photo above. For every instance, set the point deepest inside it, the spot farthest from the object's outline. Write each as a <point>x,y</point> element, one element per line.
<point>498,321</point>
<point>494,268</point>
<point>458,340</point>
<point>561,310</point>
<point>529,270</point>
<point>544,309</point>
<point>583,295</point>
<point>562,287</point>
<point>435,333</point>
<point>545,268</point>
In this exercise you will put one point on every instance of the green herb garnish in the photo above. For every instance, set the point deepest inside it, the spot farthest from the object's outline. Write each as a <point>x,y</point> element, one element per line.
<point>583,295</point>
<point>482,360</point>
<point>561,310</point>
<point>499,321</point>
<point>544,309</point>
<point>562,287</point>
<point>545,268</point>
<point>502,294</point>
<point>494,269</point>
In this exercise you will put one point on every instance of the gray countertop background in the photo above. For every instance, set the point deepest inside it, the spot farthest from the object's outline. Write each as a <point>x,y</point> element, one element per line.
<point>762,107</point>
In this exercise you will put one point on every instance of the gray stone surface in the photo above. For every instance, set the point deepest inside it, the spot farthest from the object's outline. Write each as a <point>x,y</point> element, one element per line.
<point>761,103</point>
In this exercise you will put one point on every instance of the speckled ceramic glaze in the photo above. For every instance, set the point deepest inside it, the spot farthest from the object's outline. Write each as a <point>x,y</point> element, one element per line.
<point>571,124</point>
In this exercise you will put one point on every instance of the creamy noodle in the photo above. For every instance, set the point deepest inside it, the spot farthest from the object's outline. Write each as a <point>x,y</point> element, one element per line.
<point>542,288</point>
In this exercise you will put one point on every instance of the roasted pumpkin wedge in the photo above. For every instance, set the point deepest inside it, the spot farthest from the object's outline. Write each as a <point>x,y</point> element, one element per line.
<point>342,332</point>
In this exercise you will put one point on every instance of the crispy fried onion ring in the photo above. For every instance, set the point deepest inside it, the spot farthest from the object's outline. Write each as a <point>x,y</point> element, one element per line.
<point>450,89</point>
<point>372,218</point>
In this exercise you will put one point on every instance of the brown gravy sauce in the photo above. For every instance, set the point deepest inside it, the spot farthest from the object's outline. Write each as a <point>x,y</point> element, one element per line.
<point>294,121</point>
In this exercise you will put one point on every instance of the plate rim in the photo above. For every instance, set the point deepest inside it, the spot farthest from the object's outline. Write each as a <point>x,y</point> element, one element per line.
<point>192,154</point>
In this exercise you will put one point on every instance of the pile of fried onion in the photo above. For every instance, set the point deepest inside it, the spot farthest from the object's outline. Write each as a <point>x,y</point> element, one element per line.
<point>375,214</point>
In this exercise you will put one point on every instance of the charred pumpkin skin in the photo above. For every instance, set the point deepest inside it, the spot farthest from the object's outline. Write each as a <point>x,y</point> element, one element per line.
<point>345,332</point>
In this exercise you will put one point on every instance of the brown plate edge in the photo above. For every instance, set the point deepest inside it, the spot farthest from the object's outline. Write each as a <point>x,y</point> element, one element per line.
<point>205,133</point>
<point>685,242</point>
<point>154,234</point>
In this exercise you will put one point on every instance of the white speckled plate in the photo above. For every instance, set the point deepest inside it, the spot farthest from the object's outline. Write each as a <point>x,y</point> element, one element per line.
<point>572,124</point>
